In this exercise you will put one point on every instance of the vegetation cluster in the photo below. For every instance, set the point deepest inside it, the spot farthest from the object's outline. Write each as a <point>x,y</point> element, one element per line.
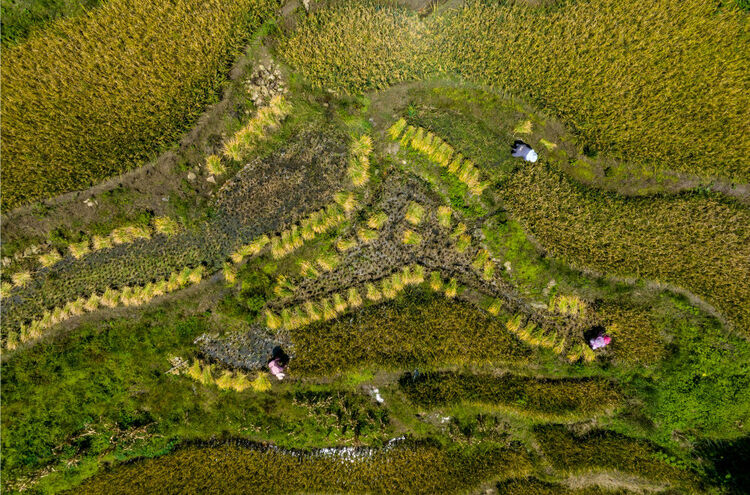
<point>92,96</point>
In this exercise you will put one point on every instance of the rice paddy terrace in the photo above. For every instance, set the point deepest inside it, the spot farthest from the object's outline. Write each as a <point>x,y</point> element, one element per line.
<point>188,185</point>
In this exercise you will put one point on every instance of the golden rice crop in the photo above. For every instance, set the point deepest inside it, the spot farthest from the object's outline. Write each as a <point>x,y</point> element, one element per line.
<point>660,84</point>
<point>356,46</point>
<point>698,242</point>
<point>92,96</point>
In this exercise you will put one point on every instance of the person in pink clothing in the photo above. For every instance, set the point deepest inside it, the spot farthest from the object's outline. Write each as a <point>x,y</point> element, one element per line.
<point>276,369</point>
<point>278,362</point>
<point>601,341</point>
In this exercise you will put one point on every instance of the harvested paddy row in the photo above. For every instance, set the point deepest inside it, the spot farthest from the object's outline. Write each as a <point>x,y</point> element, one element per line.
<point>698,242</point>
<point>307,177</point>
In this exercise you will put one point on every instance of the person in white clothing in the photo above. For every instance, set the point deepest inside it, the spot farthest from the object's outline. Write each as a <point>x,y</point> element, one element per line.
<point>523,150</point>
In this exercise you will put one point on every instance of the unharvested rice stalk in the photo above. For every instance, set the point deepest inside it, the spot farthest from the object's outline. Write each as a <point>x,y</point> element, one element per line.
<point>686,66</point>
<point>95,95</point>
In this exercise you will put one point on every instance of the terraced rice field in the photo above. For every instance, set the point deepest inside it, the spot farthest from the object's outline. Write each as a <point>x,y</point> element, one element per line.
<point>183,197</point>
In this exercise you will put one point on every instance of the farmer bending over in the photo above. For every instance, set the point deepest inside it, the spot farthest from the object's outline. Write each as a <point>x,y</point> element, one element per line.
<point>278,362</point>
<point>523,150</point>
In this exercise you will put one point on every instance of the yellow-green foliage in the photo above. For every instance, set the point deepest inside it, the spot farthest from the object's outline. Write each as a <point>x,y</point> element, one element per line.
<point>441,153</point>
<point>412,468</point>
<point>366,235</point>
<point>671,91</point>
<point>255,247</point>
<point>411,237</point>
<point>359,160</point>
<point>568,304</point>
<point>129,233</point>
<point>698,242</point>
<point>127,296</point>
<point>356,46</point>
<point>214,165</point>
<point>444,216</point>
<point>327,262</point>
<point>346,200</point>
<point>101,242</point>
<point>317,223</point>
<point>463,242</point>
<point>79,249</point>
<point>377,220</point>
<point>94,95</point>
<point>49,259</point>
<point>166,226</point>
<point>414,213</point>
<point>261,383</point>
<point>535,336</point>
<point>21,278</point>
<point>345,244</point>
<point>230,273</point>
<point>204,373</point>
<point>328,309</point>
<point>306,269</point>
<point>266,119</point>
<point>6,288</point>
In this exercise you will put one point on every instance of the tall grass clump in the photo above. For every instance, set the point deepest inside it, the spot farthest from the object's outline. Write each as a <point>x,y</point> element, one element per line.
<point>95,95</point>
